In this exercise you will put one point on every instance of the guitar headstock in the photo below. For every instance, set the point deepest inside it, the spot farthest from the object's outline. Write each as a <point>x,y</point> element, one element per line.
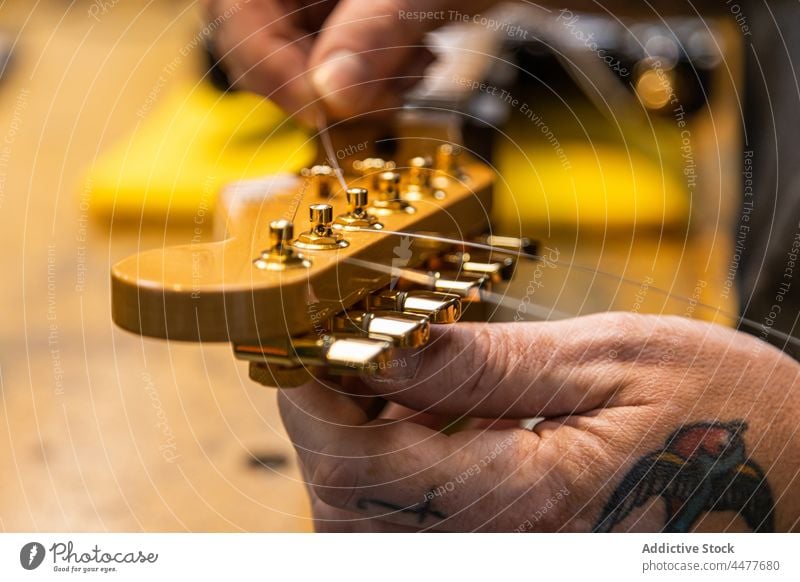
<point>309,264</point>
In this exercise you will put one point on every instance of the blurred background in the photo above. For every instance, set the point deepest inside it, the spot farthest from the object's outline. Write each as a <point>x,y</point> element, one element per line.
<point>115,141</point>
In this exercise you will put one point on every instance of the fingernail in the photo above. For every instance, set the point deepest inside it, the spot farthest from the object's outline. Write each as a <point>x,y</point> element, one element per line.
<point>332,79</point>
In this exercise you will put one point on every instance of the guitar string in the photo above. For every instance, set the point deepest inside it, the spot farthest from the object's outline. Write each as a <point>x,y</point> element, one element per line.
<point>327,144</point>
<point>400,272</point>
<point>322,128</point>
<point>428,280</point>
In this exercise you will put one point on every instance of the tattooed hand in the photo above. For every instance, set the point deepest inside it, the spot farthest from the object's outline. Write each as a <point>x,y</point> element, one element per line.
<point>652,423</point>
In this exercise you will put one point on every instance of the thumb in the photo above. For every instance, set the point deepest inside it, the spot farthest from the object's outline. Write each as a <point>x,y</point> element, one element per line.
<point>520,370</point>
<point>364,46</point>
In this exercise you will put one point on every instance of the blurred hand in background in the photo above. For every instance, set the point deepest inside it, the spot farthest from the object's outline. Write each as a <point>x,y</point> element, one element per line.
<point>349,56</point>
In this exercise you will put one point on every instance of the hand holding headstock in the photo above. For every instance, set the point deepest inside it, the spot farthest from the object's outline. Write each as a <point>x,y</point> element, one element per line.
<point>308,271</point>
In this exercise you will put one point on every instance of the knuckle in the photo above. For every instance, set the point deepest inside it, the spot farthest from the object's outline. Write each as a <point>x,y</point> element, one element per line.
<point>485,362</point>
<point>334,481</point>
<point>615,336</point>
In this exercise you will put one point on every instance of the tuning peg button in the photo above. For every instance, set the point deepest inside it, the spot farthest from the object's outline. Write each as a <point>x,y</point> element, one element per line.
<point>404,330</point>
<point>280,255</point>
<point>469,288</point>
<point>322,179</point>
<point>446,156</point>
<point>372,168</point>
<point>389,186</point>
<point>357,216</point>
<point>321,235</point>
<point>389,200</point>
<point>478,263</point>
<point>419,172</point>
<point>438,307</point>
<point>339,355</point>
<point>419,178</point>
<point>447,168</point>
<point>523,245</point>
<point>321,216</point>
<point>281,233</point>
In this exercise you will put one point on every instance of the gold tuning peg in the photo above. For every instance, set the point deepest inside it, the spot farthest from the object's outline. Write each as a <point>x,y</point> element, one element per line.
<point>478,263</point>
<point>523,244</point>
<point>322,179</point>
<point>321,236</point>
<point>373,167</point>
<point>469,288</point>
<point>446,166</point>
<point>438,307</point>
<point>389,200</point>
<point>420,174</point>
<point>280,255</point>
<point>357,216</point>
<point>389,186</point>
<point>339,355</point>
<point>446,156</point>
<point>404,330</point>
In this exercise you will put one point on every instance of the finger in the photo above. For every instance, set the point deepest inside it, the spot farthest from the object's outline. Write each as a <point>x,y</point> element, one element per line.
<point>413,73</point>
<point>372,406</point>
<point>410,475</point>
<point>329,519</point>
<point>363,44</point>
<point>264,49</point>
<point>397,412</point>
<point>520,370</point>
<point>443,423</point>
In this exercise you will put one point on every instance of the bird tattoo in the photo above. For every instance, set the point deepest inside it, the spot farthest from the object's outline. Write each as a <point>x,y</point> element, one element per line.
<point>702,467</point>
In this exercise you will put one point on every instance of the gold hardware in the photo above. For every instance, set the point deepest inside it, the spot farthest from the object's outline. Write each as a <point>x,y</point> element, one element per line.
<point>481,263</point>
<point>322,179</point>
<point>357,216</point>
<point>446,155</point>
<point>389,186</point>
<point>419,178</point>
<point>524,244</point>
<point>340,355</point>
<point>373,167</point>
<point>280,255</point>
<point>438,307</point>
<point>389,200</point>
<point>470,289</point>
<point>404,330</point>
<point>321,236</point>
<point>419,172</point>
<point>446,166</point>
